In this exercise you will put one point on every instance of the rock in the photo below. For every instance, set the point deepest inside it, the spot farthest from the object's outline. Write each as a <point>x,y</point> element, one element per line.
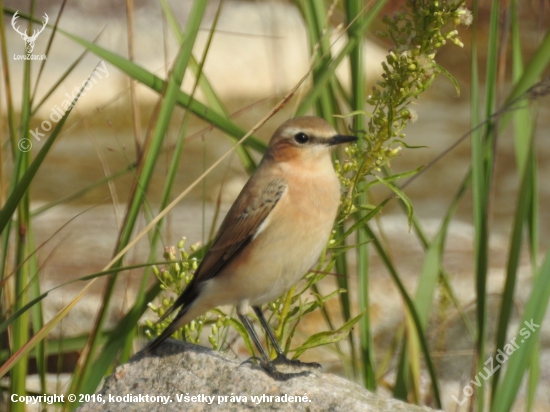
<point>190,377</point>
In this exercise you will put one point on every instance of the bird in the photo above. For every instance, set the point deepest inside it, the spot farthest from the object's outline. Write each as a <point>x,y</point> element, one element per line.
<point>272,235</point>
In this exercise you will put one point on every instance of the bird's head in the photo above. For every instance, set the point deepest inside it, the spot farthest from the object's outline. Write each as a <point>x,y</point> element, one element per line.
<point>304,138</point>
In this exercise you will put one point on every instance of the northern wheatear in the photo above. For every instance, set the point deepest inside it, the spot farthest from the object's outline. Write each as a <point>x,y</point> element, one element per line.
<point>272,235</point>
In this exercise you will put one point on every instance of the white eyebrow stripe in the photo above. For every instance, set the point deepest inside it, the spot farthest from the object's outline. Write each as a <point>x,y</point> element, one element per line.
<point>317,136</point>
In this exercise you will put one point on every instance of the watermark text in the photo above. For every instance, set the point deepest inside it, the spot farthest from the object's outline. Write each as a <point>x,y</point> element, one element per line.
<point>501,357</point>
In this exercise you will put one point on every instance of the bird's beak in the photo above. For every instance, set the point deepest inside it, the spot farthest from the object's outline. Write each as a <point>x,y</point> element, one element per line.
<point>339,139</point>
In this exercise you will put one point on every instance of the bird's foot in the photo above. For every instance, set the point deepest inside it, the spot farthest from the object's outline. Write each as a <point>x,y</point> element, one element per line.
<point>283,360</point>
<point>251,361</point>
<point>271,370</point>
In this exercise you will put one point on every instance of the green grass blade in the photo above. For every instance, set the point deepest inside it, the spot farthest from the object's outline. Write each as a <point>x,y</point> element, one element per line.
<point>534,69</point>
<point>481,169</point>
<point>157,84</point>
<point>431,269</point>
<point>16,314</point>
<point>36,313</point>
<point>41,209</point>
<point>326,73</point>
<point>519,360</point>
<point>168,187</point>
<point>117,339</point>
<point>48,48</point>
<point>325,338</point>
<point>423,303</point>
<point>20,330</point>
<point>41,334</point>
<point>354,17</point>
<point>7,84</point>
<point>59,81</point>
<point>238,326</point>
<point>22,186</point>
<point>91,371</point>
<point>61,346</point>
<point>184,100</point>
<point>210,94</point>
<point>411,308</point>
<point>402,196</point>
<point>514,255</point>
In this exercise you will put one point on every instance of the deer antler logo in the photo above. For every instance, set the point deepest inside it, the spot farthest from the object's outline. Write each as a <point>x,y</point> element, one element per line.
<point>29,40</point>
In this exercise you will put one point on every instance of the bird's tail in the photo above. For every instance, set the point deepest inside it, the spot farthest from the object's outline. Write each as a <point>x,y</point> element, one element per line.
<point>170,329</point>
<point>186,299</point>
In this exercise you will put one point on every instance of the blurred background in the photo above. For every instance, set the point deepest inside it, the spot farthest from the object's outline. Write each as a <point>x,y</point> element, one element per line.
<point>259,51</point>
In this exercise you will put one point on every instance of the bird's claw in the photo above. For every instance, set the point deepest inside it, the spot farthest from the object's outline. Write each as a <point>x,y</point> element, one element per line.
<point>283,360</point>
<point>272,371</point>
<point>251,360</point>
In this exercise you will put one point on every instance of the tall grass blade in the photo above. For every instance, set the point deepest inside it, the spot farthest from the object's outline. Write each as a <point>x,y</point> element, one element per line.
<point>41,334</point>
<point>157,84</point>
<point>529,330</point>
<point>481,172</point>
<point>20,330</point>
<point>355,15</point>
<point>22,186</point>
<point>145,170</point>
<point>210,94</point>
<point>411,309</point>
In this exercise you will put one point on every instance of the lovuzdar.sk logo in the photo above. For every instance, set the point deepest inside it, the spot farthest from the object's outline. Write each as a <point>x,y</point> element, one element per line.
<point>29,40</point>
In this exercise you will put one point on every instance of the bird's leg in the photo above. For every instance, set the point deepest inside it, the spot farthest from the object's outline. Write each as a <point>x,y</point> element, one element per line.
<point>254,336</point>
<point>265,362</point>
<point>281,358</point>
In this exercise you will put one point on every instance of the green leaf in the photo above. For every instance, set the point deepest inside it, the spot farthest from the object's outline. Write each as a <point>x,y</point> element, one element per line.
<point>238,326</point>
<point>408,146</point>
<point>404,198</point>
<point>393,178</point>
<point>325,338</point>
<point>449,76</point>
<point>362,221</point>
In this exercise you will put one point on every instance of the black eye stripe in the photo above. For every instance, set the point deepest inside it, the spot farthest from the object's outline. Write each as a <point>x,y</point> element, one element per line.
<point>301,138</point>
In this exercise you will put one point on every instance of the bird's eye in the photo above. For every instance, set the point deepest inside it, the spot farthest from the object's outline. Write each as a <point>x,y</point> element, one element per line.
<point>301,138</point>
